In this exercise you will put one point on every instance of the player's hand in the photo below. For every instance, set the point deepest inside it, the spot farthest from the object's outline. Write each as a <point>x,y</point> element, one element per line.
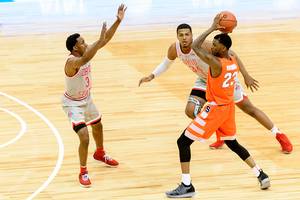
<point>146,79</point>
<point>251,83</point>
<point>216,22</point>
<point>103,32</point>
<point>121,12</point>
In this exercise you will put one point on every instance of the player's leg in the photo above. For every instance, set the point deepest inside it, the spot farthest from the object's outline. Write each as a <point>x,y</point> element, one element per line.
<point>227,132</point>
<point>247,107</point>
<point>185,189</point>
<point>200,129</point>
<point>94,119</point>
<point>196,99</point>
<point>245,156</point>
<point>76,117</point>
<point>83,135</point>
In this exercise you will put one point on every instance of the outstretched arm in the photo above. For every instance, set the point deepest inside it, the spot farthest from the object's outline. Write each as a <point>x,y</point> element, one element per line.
<point>249,81</point>
<point>212,61</point>
<point>164,66</point>
<point>76,62</point>
<point>111,31</point>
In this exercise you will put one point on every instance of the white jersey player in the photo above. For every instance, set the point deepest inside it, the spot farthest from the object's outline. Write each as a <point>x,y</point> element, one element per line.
<point>182,50</point>
<point>77,102</point>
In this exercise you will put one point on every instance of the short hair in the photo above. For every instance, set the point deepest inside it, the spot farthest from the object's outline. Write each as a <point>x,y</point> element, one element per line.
<point>224,39</point>
<point>71,41</point>
<point>182,26</point>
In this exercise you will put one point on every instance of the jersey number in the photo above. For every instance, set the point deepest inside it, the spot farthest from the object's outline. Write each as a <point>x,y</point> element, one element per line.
<point>87,81</point>
<point>228,76</point>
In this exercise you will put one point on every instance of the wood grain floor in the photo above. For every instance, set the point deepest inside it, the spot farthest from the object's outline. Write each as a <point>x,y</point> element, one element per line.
<point>142,124</point>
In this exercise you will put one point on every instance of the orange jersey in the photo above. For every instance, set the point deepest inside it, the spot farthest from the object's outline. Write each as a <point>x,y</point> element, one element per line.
<point>220,89</point>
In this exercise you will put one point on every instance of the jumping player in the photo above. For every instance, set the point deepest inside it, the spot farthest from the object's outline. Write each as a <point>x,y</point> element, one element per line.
<point>77,102</point>
<point>218,115</point>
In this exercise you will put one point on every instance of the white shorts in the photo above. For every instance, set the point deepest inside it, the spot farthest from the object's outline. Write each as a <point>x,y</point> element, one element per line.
<point>85,112</point>
<point>239,93</point>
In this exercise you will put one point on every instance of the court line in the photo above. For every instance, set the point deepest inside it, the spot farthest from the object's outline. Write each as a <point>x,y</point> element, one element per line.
<point>22,130</point>
<point>59,140</point>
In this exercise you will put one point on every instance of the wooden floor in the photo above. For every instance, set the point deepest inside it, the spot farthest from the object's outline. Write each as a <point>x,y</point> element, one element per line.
<point>142,124</point>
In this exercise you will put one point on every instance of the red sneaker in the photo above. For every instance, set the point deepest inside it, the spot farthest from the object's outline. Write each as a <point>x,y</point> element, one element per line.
<point>285,143</point>
<point>84,179</point>
<point>110,162</point>
<point>217,145</point>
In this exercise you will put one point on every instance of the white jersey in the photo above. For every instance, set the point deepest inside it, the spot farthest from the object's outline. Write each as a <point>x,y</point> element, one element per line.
<point>79,85</point>
<point>193,62</point>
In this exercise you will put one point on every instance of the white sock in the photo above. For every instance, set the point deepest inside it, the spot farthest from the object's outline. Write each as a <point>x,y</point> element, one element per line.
<point>274,130</point>
<point>186,179</point>
<point>256,170</point>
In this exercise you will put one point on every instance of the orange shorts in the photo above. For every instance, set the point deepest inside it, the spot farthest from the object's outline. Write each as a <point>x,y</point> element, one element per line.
<point>213,118</point>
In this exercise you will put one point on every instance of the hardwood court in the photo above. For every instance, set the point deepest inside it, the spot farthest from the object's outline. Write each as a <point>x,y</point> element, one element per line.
<point>142,124</point>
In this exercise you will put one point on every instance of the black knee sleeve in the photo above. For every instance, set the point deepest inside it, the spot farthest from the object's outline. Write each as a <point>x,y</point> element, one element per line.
<point>76,128</point>
<point>238,149</point>
<point>184,144</point>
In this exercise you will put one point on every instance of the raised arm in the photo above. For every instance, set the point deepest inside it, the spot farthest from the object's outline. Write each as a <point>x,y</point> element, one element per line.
<point>164,66</point>
<point>212,61</point>
<point>249,81</point>
<point>75,63</point>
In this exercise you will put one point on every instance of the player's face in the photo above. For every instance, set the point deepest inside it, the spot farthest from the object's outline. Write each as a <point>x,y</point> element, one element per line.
<point>216,47</point>
<point>185,37</point>
<point>80,45</point>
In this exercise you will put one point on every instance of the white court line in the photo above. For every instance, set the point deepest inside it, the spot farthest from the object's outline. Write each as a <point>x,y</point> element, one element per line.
<point>22,130</point>
<point>59,140</point>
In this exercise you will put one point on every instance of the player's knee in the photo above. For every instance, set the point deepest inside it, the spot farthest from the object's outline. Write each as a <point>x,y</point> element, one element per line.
<point>184,141</point>
<point>193,107</point>
<point>84,140</point>
<point>184,144</point>
<point>249,109</point>
<point>189,110</point>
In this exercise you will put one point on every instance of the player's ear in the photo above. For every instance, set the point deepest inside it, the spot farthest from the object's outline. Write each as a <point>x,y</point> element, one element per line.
<point>75,48</point>
<point>223,48</point>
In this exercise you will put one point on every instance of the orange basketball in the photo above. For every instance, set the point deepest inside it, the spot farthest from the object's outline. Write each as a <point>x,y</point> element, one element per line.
<point>228,21</point>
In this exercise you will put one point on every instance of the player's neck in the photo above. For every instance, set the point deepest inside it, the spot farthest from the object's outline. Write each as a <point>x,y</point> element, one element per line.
<point>185,49</point>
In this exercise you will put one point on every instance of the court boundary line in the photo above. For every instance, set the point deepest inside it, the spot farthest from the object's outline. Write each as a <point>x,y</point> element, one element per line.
<point>59,140</point>
<point>23,129</point>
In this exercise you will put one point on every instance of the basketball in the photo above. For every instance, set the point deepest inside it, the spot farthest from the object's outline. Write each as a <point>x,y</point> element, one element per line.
<point>228,21</point>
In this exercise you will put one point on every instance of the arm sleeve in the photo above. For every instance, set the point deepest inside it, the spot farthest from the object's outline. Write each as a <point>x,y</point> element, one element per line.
<point>162,67</point>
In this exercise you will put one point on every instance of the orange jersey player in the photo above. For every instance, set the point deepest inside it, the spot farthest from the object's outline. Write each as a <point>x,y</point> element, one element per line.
<point>218,115</point>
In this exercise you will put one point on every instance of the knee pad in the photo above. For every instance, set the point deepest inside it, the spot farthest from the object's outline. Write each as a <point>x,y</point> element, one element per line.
<point>198,105</point>
<point>184,144</point>
<point>238,149</point>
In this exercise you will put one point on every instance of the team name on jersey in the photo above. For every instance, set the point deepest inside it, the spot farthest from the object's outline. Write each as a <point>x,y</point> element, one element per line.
<point>190,61</point>
<point>231,67</point>
<point>86,70</point>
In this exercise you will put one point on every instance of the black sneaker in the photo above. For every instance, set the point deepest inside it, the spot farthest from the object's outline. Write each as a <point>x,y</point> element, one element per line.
<point>264,180</point>
<point>182,191</point>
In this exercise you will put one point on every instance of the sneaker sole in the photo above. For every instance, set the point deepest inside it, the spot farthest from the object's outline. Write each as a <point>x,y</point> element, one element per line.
<point>85,186</point>
<point>103,162</point>
<point>216,148</point>
<point>287,152</point>
<point>183,195</point>
<point>266,183</point>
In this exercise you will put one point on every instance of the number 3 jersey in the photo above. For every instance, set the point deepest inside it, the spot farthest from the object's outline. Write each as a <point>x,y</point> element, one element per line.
<point>192,61</point>
<point>79,85</point>
<point>220,89</point>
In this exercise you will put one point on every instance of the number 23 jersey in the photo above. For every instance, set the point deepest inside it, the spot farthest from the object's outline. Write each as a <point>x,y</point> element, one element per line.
<point>220,89</point>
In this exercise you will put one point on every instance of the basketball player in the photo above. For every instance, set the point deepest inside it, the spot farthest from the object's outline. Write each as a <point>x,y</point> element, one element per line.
<point>218,115</point>
<point>182,49</point>
<point>77,102</point>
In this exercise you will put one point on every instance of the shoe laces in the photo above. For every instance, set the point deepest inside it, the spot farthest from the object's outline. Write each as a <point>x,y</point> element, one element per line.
<point>107,158</point>
<point>85,176</point>
<point>181,189</point>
